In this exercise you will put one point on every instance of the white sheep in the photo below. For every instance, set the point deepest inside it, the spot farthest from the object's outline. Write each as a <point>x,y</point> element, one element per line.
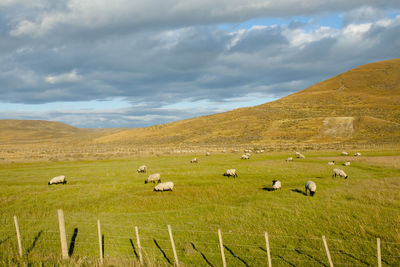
<point>312,187</point>
<point>339,172</point>
<point>262,151</point>
<point>331,162</point>
<point>245,157</point>
<point>193,160</point>
<point>208,154</point>
<point>347,163</point>
<point>247,154</point>
<point>231,172</point>
<point>153,178</point>
<point>289,159</point>
<point>167,186</point>
<point>297,153</point>
<point>344,153</point>
<point>58,180</point>
<point>357,154</point>
<point>142,168</point>
<point>301,156</point>
<point>276,184</point>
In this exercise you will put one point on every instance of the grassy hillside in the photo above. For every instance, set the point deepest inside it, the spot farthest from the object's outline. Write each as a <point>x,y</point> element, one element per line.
<point>39,131</point>
<point>351,213</point>
<point>361,105</point>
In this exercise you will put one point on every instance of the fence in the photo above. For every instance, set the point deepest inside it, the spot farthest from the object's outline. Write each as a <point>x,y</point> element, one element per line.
<point>271,254</point>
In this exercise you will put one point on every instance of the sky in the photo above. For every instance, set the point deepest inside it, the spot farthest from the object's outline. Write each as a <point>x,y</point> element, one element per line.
<point>137,63</point>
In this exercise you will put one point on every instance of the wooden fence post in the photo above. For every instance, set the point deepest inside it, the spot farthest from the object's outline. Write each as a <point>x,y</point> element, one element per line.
<point>139,246</point>
<point>63,238</point>
<point>100,242</point>
<point>327,251</point>
<point>268,252</point>
<point>18,236</point>
<point>173,245</point>
<point>221,245</point>
<point>378,247</point>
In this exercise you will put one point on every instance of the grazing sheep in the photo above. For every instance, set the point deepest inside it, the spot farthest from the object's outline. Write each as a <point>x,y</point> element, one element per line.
<point>247,151</point>
<point>167,186</point>
<point>257,151</point>
<point>153,178</point>
<point>262,151</point>
<point>331,162</point>
<point>276,184</point>
<point>289,159</point>
<point>208,154</point>
<point>193,160</point>
<point>297,153</point>
<point>231,172</point>
<point>339,172</point>
<point>142,168</point>
<point>344,153</point>
<point>347,163</point>
<point>312,187</point>
<point>58,180</point>
<point>357,154</point>
<point>245,156</point>
<point>301,156</point>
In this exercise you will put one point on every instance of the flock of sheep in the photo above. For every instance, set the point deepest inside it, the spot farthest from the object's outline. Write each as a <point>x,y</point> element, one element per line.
<point>310,186</point>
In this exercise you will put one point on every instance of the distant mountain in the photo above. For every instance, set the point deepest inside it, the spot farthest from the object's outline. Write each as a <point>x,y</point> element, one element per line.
<point>360,105</point>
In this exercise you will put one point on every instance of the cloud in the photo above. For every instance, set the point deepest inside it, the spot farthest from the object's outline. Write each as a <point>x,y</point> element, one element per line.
<point>63,78</point>
<point>154,54</point>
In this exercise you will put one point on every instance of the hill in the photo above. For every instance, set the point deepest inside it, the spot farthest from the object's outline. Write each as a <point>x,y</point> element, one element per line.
<point>361,105</point>
<point>39,131</point>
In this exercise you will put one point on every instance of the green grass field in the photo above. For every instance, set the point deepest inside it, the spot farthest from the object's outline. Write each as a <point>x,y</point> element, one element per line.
<point>351,213</point>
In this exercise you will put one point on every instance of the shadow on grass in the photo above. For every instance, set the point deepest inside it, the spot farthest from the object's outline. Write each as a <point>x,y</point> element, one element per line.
<point>354,258</point>
<point>102,244</point>
<point>162,251</point>
<point>269,189</point>
<point>34,242</point>
<point>310,256</point>
<point>133,247</point>
<point>202,254</point>
<point>237,257</point>
<point>282,258</point>
<point>72,243</point>
<point>299,191</point>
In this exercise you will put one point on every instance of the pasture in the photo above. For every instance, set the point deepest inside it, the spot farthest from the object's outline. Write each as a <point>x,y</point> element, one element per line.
<point>351,213</point>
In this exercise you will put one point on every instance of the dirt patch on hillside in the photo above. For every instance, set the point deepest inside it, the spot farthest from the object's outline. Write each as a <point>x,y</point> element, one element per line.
<point>338,127</point>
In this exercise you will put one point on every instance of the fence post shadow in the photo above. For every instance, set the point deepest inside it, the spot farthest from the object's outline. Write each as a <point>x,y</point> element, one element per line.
<point>102,244</point>
<point>310,256</point>
<point>29,250</point>
<point>72,243</point>
<point>133,247</point>
<point>237,257</point>
<point>202,254</point>
<point>282,258</point>
<point>162,251</point>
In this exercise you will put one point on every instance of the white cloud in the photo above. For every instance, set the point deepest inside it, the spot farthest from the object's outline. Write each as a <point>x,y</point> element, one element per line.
<point>64,78</point>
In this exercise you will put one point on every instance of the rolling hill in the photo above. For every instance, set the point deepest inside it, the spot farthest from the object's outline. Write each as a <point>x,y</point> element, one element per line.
<point>360,105</point>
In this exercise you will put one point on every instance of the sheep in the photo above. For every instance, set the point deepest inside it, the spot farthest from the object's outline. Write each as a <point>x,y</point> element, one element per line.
<point>339,172</point>
<point>289,159</point>
<point>193,160</point>
<point>357,154</point>
<point>276,185</point>
<point>297,153</point>
<point>262,151</point>
<point>58,180</point>
<point>142,168</point>
<point>245,156</point>
<point>167,186</point>
<point>153,178</point>
<point>301,156</point>
<point>231,172</point>
<point>344,153</point>
<point>247,151</point>
<point>312,187</point>
<point>208,154</point>
<point>331,162</point>
<point>347,163</point>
